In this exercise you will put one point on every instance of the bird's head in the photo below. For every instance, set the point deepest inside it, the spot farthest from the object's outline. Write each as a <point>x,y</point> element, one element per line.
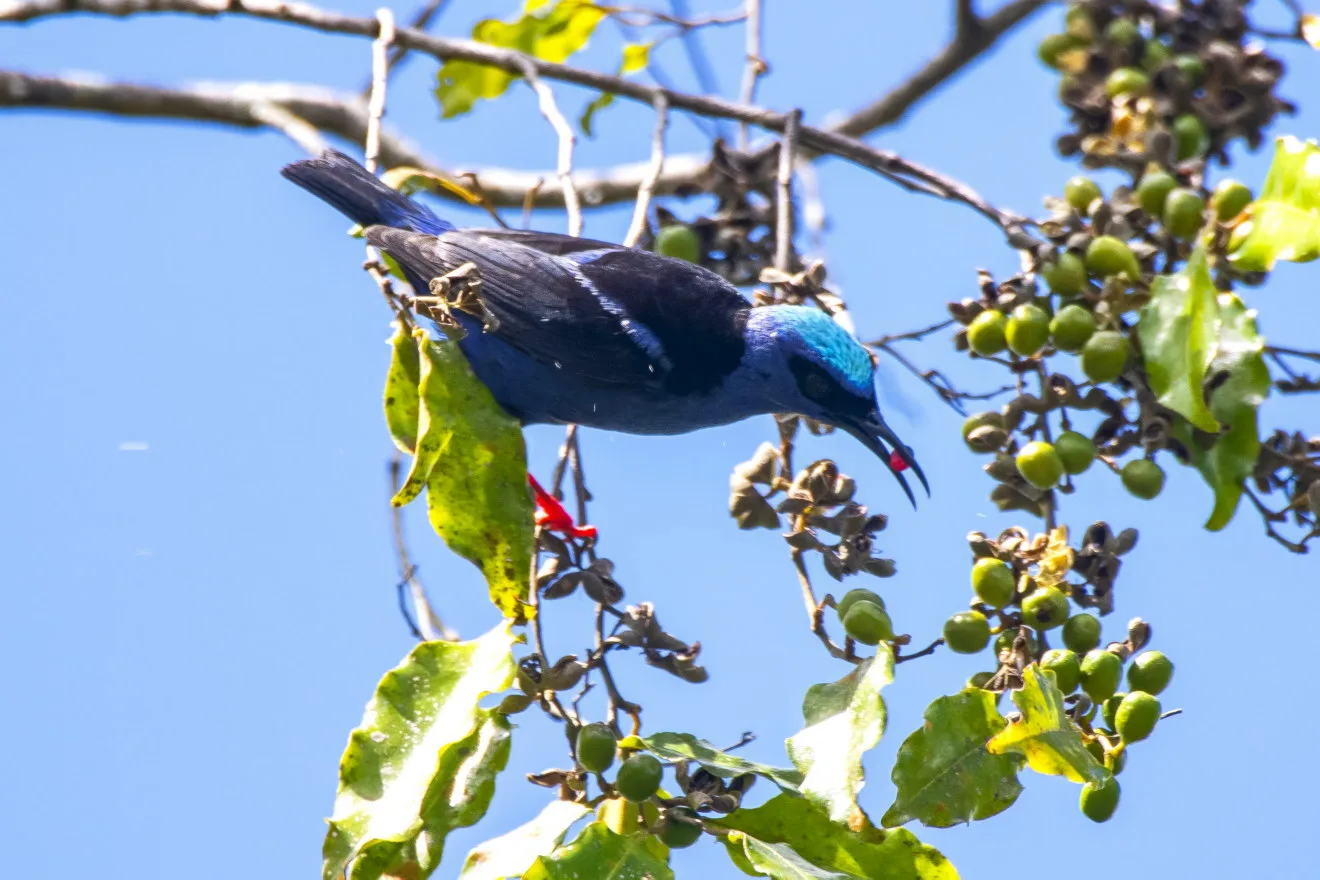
<point>812,366</point>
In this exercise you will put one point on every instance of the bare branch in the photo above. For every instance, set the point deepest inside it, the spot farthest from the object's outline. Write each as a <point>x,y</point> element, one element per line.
<point>545,98</point>
<point>784,194</point>
<point>282,107</point>
<point>891,166</point>
<point>755,63</point>
<point>638,224</point>
<point>380,72</point>
<point>967,45</point>
<point>420,22</point>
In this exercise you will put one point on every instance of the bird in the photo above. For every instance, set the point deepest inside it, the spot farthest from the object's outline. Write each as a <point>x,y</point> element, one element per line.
<point>598,334</point>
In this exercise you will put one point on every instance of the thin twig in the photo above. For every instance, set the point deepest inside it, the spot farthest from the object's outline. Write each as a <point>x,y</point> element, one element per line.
<point>924,652</point>
<point>638,225</point>
<point>814,613</point>
<point>428,624</point>
<point>564,167</point>
<point>420,22</point>
<point>755,64</point>
<point>784,193</point>
<point>294,127</point>
<point>375,113</point>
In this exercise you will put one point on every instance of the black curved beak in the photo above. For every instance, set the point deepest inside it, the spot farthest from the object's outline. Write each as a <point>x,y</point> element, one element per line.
<point>875,434</point>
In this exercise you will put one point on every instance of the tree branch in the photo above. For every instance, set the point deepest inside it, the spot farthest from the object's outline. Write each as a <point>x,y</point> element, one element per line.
<point>275,105</point>
<point>968,44</point>
<point>891,166</point>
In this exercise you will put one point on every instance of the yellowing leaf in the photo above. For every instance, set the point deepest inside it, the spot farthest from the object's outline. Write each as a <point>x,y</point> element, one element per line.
<point>472,461</point>
<point>1057,560</point>
<point>552,34</point>
<point>1309,27</point>
<point>1045,734</point>
<point>1284,223</point>
<point>409,180</point>
<point>1179,328</point>
<point>402,404</point>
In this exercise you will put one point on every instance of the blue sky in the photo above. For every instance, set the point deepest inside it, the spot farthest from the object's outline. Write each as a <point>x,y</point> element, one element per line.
<point>194,627</point>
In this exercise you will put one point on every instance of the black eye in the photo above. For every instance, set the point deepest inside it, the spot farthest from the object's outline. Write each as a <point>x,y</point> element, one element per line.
<point>816,386</point>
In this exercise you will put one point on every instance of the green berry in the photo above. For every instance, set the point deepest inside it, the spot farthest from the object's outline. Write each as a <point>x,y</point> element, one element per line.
<point>1123,31</point>
<point>1045,608</point>
<point>1143,478</point>
<point>596,745</point>
<point>639,777</point>
<point>852,597</point>
<point>1101,672</point>
<point>680,241</point>
<point>1136,716</point>
<point>1191,137</point>
<point>980,680</point>
<point>1081,192</point>
<point>986,334</point>
<point>1126,81</point>
<point>967,632</point>
<point>1075,451</point>
<point>1066,666</point>
<point>1028,330</point>
<point>1053,47</point>
<point>1071,327</point>
<point>1153,189</point>
<point>1192,69</point>
<point>1184,212</point>
<point>1039,464</point>
<point>868,623</point>
<point>1078,24</point>
<point>1066,275</point>
<point>1081,632</point>
<point>1098,803</point>
<point>1150,672</point>
<point>1107,256</point>
<point>1154,54</point>
<point>993,582</point>
<point>1005,640</point>
<point>1231,198</point>
<point>677,834</point>
<point>1110,708</point>
<point>984,432</point>
<point>1104,356</point>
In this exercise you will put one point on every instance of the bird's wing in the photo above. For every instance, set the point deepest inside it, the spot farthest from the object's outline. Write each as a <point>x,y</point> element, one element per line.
<point>590,312</point>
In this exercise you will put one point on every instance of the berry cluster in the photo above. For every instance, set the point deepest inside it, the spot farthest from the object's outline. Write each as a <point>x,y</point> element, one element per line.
<point>1148,83</point>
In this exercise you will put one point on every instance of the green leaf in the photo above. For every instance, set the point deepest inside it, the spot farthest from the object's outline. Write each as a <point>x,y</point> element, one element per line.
<point>512,854</point>
<point>552,34</point>
<point>635,57</point>
<point>685,746</point>
<point>1284,223</point>
<point>1228,460</point>
<point>844,719</point>
<point>1178,331</point>
<point>472,460</point>
<point>780,862</point>
<point>423,761</point>
<point>402,404</point>
<point>1045,734</point>
<point>600,854</point>
<point>806,830</point>
<point>943,772</point>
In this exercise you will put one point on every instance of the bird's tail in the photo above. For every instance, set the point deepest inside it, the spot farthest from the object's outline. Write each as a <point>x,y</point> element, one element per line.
<point>342,183</point>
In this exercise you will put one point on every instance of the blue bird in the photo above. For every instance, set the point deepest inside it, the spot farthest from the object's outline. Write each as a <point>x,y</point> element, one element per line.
<point>618,338</point>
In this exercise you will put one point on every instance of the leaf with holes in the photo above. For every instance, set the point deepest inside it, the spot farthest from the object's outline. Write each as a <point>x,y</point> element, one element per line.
<point>600,854</point>
<point>944,774</point>
<point>423,761</point>
<point>686,747</point>
<point>844,719</point>
<point>1179,328</point>
<point>1284,222</point>
<point>804,828</point>
<point>1045,734</point>
<point>551,34</point>
<point>512,854</point>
